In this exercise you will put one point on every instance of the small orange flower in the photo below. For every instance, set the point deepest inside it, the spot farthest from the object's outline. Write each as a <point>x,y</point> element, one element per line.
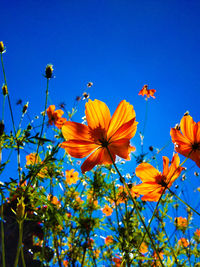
<point>197,232</point>
<point>107,210</point>
<point>118,262</point>
<point>183,242</point>
<point>101,134</point>
<point>54,200</point>
<point>156,259</point>
<point>31,159</point>
<point>187,143</point>
<point>154,183</point>
<point>96,253</point>
<point>65,263</point>
<point>71,176</point>
<point>55,116</point>
<point>143,248</point>
<point>123,195</point>
<point>109,240</point>
<point>181,223</point>
<point>148,92</point>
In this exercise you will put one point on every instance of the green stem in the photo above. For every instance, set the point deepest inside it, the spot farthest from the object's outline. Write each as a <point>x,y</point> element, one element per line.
<point>11,113</point>
<point>19,246</point>
<point>45,107</point>
<point>183,201</point>
<point>166,187</point>
<point>136,207</point>
<point>2,234</point>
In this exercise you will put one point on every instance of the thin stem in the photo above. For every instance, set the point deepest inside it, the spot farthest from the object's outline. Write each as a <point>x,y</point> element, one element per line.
<point>166,187</point>
<point>183,201</point>
<point>11,113</point>
<point>2,234</point>
<point>19,243</point>
<point>136,207</point>
<point>22,250</point>
<point>45,107</point>
<point>57,252</point>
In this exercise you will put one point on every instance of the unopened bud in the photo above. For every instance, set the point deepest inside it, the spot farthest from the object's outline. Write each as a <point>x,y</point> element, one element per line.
<point>2,49</point>
<point>20,210</point>
<point>85,95</point>
<point>2,126</point>
<point>89,84</point>
<point>25,107</point>
<point>5,89</point>
<point>49,71</point>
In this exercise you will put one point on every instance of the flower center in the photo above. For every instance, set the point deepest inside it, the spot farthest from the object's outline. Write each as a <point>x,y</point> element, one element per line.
<point>99,136</point>
<point>160,179</point>
<point>196,146</point>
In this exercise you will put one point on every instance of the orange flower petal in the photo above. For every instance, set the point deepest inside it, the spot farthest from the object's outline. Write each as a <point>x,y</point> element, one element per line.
<point>146,172</point>
<point>97,114</point>
<point>94,159</point>
<point>121,148</point>
<point>74,130</point>
<point>165,166</point>
<point>187,127</point>
<point>78,149</point>
<point>146,188</point>
<point>127,130</point>
<point>122,114</point>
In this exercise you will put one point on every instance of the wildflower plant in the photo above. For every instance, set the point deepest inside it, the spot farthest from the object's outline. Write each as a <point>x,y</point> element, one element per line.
<point>60,210</point>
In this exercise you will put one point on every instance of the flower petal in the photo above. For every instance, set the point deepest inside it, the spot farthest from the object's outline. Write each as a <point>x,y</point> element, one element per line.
<point>182,143</point>
<point>121,148</point>
<point>122,114</point>
<point>92,160</point>
<point>97,114</point>
<point>165,166</point>
<point>126,131</point>
<point>78,149</point>
<point>76,131</point>
<point>146,172</point>
<point>187,127</point>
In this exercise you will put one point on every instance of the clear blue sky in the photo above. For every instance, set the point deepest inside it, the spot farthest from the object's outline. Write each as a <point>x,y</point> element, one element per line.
<point>118,45</point>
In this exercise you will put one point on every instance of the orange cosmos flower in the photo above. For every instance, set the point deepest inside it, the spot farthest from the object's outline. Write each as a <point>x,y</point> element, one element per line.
<point>54,200</point>
<point>143,248</point>
<point>65,263</point>
<point>109,240</point>
<point>71,176</point>
<point>148,92</point>
<point>197,232</point>
<point>55,116</point>
<point>101,133</point>
<point>181,222</point>
<point>183,242</point>
<point>31,159</point>
<point>187,143</point>
<point>107,210</point>
<point>154,183</point>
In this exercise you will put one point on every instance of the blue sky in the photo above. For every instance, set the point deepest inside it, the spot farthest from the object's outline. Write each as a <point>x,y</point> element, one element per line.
<point>118,45</point>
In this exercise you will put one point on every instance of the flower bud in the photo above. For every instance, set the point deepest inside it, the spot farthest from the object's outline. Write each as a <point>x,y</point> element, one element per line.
<point>2,49</point>
<point>89,84</point>
<point>20,210</point>
<point>49,71</point>
<point>25,107</point>
<point>5,90</point>
<point>2,126</point>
